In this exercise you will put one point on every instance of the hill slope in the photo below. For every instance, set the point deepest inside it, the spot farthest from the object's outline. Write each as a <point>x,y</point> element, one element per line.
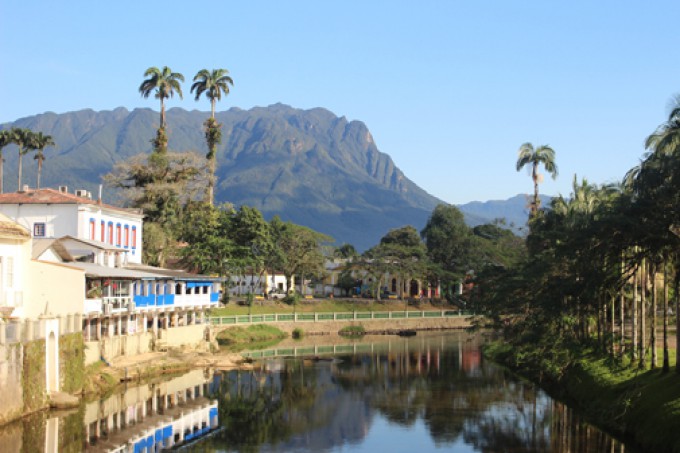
<point>307,166</point>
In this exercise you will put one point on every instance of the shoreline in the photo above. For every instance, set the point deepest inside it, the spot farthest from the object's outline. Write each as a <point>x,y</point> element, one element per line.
<point>628,408</point>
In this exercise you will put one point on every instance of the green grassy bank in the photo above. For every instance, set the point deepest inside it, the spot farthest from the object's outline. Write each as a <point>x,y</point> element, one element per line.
<point>254,337</point>
<point>640,405</point>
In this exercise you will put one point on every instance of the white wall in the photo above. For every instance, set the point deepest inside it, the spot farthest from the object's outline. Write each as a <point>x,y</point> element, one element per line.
<point>132,223</point>
<point>15,255</point>
<point>60,220</point>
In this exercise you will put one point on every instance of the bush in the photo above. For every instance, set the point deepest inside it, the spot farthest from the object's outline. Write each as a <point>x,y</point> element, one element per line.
<point>298,333</point>
<point>353,330</point>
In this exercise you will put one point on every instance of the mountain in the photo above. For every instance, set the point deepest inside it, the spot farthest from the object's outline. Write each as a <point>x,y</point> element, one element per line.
<point>514,211</point>
<point>307,166</point>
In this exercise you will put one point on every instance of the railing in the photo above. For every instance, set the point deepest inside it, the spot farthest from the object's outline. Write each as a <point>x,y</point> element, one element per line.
<point>342,316</point>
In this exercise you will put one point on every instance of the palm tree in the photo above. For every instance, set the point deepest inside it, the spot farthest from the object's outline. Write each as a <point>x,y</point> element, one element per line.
<point>165,83</point>
<point>23,138</point>
<point>5,139</point>
<point>542,155</point>
<point>41,142</point>
<point>213,84</point>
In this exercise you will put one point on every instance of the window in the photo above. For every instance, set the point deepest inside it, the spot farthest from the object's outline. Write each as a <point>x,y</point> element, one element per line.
<point>103,232</point>
<point>134,237</point>
<point>118,235</point>
<point>39,230</point>
<point>110,232</point>
<point>127,236</point>
<point>9,272</point>
<point>92,227</point>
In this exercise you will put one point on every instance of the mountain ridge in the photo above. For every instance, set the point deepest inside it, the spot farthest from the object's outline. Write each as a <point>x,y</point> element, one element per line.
<point>309,166</point>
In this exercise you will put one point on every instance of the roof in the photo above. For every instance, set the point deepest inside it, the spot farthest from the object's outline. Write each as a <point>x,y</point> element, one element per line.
<point>41,245</point>
<point>9,229</point>
<point>51,196</point>
<point>97,270</point>
<point>175,274</point>
<point>95,244</point>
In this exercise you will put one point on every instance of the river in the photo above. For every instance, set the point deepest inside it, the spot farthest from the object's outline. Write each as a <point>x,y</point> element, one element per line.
<point>430,392</point>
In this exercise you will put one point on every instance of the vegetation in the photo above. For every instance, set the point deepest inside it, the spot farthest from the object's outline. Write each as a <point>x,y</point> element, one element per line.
<point>583,306</point>
<point>353,330</point>
<point>257,335</point>
<point>543,155</point>
<point>213,84</point>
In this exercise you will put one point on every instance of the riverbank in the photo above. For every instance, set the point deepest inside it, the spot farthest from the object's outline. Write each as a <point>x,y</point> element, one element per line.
<point>640,405</point>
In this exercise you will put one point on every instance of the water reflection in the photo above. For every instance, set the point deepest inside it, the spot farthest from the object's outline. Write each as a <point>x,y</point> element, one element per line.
<point>429,392</point>
<point>420,394</point>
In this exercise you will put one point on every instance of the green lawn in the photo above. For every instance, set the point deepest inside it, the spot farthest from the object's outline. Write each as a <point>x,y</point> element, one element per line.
<point>321,306</point>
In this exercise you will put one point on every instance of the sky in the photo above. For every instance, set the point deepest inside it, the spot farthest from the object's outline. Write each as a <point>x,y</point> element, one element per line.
<point>449,89</point>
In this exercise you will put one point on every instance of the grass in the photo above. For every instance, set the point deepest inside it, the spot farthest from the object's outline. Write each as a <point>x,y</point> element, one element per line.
<point>252,337</point>
<point>642,405</point>
<point>353,330</point>
<point>321,306</point>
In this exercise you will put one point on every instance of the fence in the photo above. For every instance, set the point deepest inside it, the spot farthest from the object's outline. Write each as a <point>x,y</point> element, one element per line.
<point>334,316</point>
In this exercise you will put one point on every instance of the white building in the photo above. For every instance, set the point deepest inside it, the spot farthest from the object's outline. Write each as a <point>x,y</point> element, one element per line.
<point>49,213</point>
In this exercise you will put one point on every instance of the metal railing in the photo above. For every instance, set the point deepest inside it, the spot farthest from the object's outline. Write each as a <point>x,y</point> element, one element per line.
<point>336,316</point>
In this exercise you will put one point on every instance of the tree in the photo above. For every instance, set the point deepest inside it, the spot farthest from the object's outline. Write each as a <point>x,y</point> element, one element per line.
<point>5,140</point>
<point>41,142</point>
<point>297,250</point>
<point>400,253</point>
<point>165,84</point>
<point>544,155</point>
<point>214,84</point>
<point>23,138</point>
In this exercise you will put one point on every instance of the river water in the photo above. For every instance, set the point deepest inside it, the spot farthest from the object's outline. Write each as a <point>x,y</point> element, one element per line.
<point>427,393</point>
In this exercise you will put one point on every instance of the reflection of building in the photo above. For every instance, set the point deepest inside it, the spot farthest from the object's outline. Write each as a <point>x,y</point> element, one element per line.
<point>152,417</point>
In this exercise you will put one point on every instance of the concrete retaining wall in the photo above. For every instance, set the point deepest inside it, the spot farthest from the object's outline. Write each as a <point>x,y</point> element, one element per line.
<point>371,325</point>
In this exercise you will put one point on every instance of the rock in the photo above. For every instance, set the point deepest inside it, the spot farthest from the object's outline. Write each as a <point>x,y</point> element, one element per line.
<point>60,400</point>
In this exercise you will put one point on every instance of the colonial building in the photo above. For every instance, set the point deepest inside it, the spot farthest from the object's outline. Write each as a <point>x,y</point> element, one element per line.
<point>50,213</point>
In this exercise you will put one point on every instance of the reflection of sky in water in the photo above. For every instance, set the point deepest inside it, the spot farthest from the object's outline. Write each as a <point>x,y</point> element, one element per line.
<point>394,438</point>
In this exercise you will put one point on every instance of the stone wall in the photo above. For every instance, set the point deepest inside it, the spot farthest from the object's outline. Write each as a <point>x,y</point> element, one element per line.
<point>117,346</point>
<point>11,394</point>
<point>190,335</point>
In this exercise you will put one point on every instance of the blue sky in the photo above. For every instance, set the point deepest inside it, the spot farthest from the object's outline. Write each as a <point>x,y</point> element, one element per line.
<point>449,89</point>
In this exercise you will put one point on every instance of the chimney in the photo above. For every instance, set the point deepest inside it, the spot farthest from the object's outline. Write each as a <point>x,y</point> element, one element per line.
<point>24,188</point>
<point>99,199</point>
<point>63,189</point>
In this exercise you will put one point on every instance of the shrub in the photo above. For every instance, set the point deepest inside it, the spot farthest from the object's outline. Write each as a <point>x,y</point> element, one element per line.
<point>298,333</point>
<point>353,330</point>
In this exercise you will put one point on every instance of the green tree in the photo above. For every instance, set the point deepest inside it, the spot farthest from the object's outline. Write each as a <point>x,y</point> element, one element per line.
<point>213,84</point>
<point>41,142</point>
<point>5,140</point>
<point>297,250</point>
<point>543,155</point>
<point>23,138</point>
<point>400,253</point>
<point>164,83</point>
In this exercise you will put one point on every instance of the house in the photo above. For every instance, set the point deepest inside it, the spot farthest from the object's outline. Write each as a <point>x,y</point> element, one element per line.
<point>50,213</point>
<point>87,268</point>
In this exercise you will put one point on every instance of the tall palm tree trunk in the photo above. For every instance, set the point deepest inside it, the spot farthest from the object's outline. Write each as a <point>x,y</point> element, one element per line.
<point>643,301</point>
<point>622,320</point>
<point>666,359</point>
<point>634,318</point>
<point>652,339</point>
<point>39,173</point>
<point>19,171</point>
<point>2,183</point>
